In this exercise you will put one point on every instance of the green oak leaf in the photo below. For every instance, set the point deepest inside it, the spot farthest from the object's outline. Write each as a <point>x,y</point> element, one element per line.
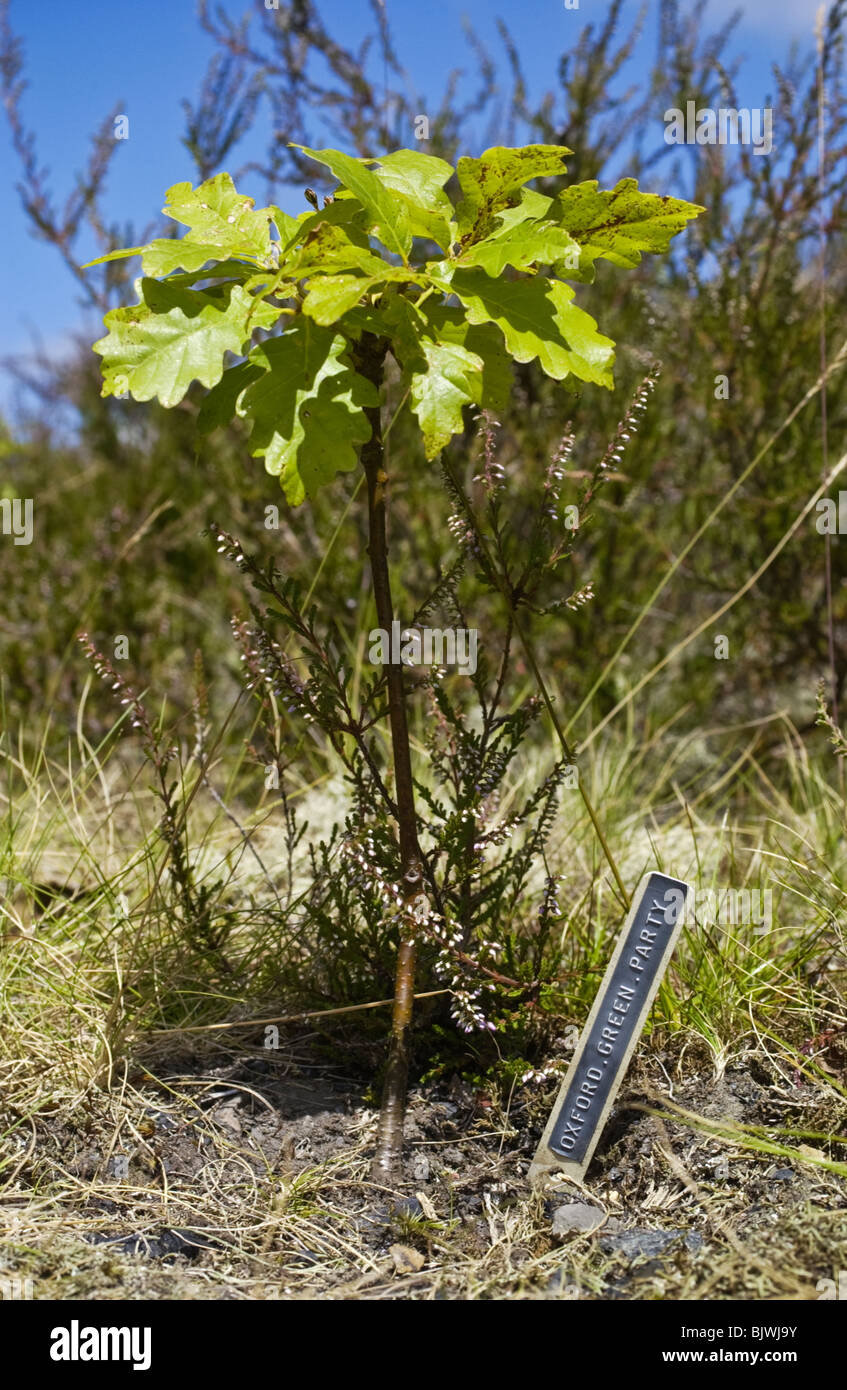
<point>452,379</point>
<point>218,405</point>
<point>286,225</point>
<point>447,363</point>
<point>219,216</point>
<point>387,215</point>
<point>520,244</point>
<point>330,297</point>
<point>618,224</point>
<point>448,324</point>
<point>176,336</point>
<point>120,255</point>
<point>164,255</point>
<point>418,179</point>
<point>366,318</point>
<point>324,245</point>
<point>538,319</point>
<point>270,284</point>
<point>167,254</point>
<point>246,275</point>
<point>492,181</point>
<point>406,327</point>
<point>307,409</point>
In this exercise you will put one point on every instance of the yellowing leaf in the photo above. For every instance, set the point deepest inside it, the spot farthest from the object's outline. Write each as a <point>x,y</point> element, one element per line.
<point>219,216</point>
<point>619,223</point>
<point>453,378</point>
<point>491,182</point>
<point>538,319</point>
<point>176,336</point>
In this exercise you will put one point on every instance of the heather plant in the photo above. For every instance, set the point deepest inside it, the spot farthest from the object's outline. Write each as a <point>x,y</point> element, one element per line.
<point>487,930</point>
<point>205,924</point>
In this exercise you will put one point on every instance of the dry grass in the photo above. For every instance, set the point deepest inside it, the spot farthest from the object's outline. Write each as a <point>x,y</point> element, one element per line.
<point>124,1125</point>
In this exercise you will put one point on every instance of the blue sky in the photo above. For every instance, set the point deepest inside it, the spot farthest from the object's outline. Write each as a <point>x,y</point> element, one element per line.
<point>85,57</point>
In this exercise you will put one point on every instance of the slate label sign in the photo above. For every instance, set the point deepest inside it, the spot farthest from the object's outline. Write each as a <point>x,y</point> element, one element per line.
<point>614,1026</point>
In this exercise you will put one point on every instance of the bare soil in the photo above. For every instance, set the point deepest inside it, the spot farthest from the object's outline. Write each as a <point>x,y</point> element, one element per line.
<point>246,1175</point>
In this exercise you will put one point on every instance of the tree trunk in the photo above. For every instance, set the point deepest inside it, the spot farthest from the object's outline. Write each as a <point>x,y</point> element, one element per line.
<point>370,357</point>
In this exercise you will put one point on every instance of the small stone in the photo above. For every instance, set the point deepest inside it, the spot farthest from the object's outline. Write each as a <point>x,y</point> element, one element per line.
<point>576,1217</point>
<point>408,1206</point>
<point>406,1260</point>
<point>646,1243</point>
<point>228,1117</point>
<point>782,1175</point>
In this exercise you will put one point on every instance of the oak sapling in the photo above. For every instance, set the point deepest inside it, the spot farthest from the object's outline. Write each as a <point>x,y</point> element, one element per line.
<point>312,305</point>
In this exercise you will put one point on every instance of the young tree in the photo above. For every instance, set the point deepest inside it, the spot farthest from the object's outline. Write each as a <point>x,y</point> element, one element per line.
<point>455,293</point>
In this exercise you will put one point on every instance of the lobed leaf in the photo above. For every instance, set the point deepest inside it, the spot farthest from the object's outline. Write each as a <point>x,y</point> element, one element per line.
<point>521,244</point>
<point>176,336</point>
<point>492,181</point>
<point>418,179</point>
<point>307,409</point>
<point>217,215</point>
<point>621,223</point>
<point>538,319</point>
<point>450,325</point>
<point>387,215</point>
<point>167,254</point>
<point>448,363</point>
<point>333,239</point>
<point>452,379</point>
<point>330,297</point>
<point>217,408</point>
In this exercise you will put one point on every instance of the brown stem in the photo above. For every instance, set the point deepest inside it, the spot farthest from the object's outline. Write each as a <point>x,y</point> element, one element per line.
<point>370,356</point>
